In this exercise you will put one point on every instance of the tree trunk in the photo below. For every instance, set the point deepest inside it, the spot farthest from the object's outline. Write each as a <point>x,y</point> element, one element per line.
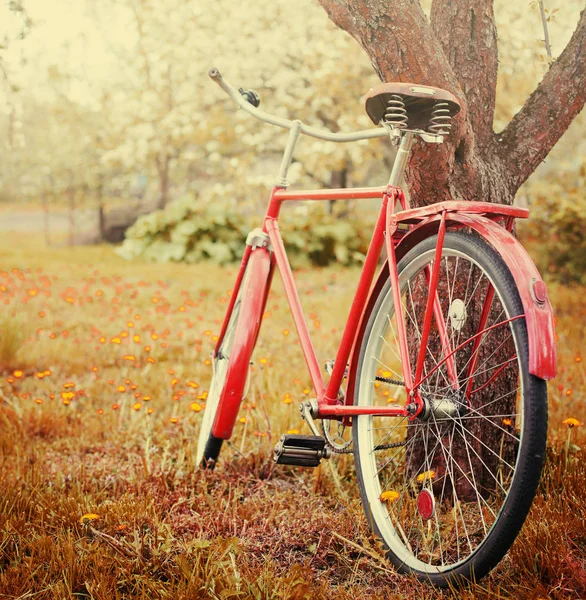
<point>163,163</point>
<point>339,180</point>
<point>100,203</point>
<point>71,210</point>
<point>45,203</point>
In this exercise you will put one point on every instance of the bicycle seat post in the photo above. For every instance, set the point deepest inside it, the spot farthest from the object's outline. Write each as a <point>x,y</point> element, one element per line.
<point>407,138</point>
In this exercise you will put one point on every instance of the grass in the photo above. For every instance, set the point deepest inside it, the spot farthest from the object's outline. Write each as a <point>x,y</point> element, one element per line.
<point>104,371</point>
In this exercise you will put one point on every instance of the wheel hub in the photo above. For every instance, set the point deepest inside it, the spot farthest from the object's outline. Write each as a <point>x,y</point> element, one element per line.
<point>442,409</point>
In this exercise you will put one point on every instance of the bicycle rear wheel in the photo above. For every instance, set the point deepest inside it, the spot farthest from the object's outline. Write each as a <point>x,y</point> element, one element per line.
<point>448,491</point>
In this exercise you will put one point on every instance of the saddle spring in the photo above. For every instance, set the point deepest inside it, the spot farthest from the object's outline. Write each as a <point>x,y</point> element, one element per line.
<point>396,113</point>
<point>440,121</point>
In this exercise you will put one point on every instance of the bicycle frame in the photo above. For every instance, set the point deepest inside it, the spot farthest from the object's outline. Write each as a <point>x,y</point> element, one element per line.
<point>399,231</point>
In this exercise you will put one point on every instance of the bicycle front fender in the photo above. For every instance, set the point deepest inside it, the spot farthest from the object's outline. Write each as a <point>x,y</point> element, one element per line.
<point>536,304</point>
<point>254,297</point>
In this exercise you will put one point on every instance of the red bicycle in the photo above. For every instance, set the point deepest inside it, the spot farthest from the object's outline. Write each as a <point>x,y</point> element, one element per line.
<point>444,356</point>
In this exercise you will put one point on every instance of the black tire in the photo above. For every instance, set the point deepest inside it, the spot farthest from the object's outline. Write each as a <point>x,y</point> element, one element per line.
<point>475,493</point>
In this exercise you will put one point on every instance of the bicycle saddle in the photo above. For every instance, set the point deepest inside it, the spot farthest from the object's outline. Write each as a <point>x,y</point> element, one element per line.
<point>411,106</point>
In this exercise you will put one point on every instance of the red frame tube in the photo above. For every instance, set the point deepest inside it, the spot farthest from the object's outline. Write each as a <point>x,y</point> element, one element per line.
<point>343,410</point>
<point>401,330</point>
<point>358,304</point>
<point>284,267</point>
<point>431,297</point>
<point>281,195</point>
<point>477,341</point>
<point>445,342</point>
<point>233,297</point>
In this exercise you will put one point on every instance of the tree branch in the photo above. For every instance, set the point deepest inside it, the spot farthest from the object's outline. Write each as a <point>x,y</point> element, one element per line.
<point>468,37</point>
<point>397,38</point>
<point>548,112</point>
<point>402,46</point>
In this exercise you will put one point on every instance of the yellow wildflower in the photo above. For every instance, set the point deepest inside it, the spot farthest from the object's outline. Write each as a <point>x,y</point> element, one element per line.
<point>389,495</point>
<point>426,475</point>
<point>85,519</point>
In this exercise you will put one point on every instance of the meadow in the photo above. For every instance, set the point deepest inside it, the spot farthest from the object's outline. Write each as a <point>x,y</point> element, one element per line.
<point>104,369</point>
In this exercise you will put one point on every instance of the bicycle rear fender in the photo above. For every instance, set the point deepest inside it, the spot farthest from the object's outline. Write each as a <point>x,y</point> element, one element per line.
<point>254,298</point>
<point>538,314</point>
<point>532,290</point>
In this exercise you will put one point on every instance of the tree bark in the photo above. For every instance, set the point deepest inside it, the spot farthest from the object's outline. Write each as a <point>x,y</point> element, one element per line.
<point>457,50</point>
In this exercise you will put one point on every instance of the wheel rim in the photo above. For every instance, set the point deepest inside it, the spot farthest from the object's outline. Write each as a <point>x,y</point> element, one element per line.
<point>425,497</point>
<point>219,372</point>
<point>220,369</point>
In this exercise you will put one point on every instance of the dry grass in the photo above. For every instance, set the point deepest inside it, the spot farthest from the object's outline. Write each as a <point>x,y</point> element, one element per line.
<point>103,374</point>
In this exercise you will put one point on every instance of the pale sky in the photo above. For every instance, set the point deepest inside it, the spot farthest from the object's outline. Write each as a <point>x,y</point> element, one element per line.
<point>64,34</point>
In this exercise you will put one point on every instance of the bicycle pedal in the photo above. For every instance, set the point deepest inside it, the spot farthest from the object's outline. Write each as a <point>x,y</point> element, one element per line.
<point>300,450</point>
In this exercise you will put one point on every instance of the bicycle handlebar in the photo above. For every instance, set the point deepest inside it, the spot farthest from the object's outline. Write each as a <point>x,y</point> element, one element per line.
<point>321,134</point>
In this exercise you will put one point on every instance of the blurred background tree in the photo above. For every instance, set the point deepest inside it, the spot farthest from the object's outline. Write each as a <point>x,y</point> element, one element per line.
<point>116,111</point>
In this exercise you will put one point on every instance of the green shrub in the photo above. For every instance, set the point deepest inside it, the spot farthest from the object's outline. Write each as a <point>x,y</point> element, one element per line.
<point>184,231</point>
<point>556,228</point>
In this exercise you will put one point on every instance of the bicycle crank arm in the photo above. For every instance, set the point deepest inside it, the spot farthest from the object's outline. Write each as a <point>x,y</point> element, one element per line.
<point>308,409</point>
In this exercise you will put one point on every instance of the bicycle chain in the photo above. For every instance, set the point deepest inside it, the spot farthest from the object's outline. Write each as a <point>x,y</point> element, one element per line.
<point>334,450</point>
<point>388,446</point>
<point>391,381</point>
<point>350,450</point>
